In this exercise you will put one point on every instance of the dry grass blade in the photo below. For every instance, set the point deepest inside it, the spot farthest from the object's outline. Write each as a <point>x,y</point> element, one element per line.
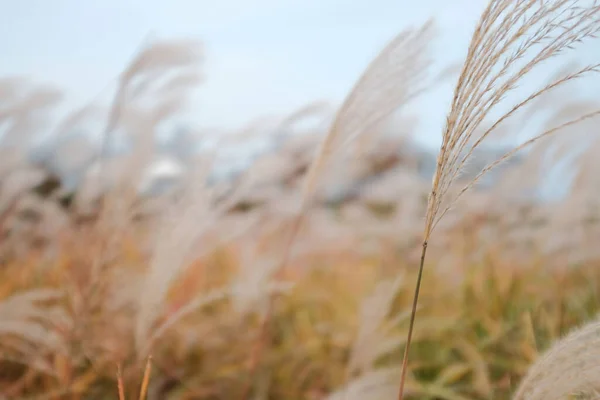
<point>151,64</point>
<point>389,82</point>
<point>146,379</point>
<point>486,80</point>
<point>178,236</point>
<point>120,385</point>
<point>374,311</point>
<point>512,38</point>
<point>116,108</point>
<point>531,141</point>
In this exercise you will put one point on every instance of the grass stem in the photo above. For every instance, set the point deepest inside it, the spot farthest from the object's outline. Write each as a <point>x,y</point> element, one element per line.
<point>412,321</point>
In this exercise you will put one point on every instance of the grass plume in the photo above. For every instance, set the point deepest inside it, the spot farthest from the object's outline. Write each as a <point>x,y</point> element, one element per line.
<point>511,39</point>
<point>569,367</point>
<point>390,81</point>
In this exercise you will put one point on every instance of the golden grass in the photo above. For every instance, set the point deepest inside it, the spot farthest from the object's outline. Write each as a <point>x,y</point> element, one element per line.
<point>476,338</point>
<point>295,300</point>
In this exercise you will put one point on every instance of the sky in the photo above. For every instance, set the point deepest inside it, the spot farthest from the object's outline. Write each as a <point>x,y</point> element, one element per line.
<point>263,57</point>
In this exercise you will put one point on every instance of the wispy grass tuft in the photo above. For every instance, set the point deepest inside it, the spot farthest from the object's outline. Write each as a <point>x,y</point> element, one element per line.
<point>392,80</point>
<point>511,39</point>
<point>570,366</point>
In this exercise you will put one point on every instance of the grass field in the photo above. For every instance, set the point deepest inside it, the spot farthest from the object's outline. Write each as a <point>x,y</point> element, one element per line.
<point>267,285</point>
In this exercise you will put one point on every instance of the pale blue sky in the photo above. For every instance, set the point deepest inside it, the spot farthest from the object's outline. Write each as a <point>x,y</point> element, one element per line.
<point>262,56</point>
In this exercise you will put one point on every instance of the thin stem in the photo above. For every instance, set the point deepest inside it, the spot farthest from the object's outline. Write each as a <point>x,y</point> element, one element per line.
<point>146,379</point>
<point>412,321</point>
<point>120,385</point>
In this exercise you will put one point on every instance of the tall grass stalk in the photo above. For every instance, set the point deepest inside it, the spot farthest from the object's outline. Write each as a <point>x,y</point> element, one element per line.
<point>511,39</point>
<point>391,80</point>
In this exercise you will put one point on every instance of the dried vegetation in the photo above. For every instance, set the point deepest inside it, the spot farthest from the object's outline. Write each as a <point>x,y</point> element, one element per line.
<point>293,277</point>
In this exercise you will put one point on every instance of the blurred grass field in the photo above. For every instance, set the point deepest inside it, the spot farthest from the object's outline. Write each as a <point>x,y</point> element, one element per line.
<point>64,332</point>
<point>293,276</point>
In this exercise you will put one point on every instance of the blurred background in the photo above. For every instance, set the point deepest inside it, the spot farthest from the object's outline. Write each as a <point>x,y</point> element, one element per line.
<point>153,157</point>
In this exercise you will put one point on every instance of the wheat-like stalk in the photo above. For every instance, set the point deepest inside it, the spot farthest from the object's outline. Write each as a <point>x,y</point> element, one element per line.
<point>390,81</point>
<point>177,236</point>
<point>511,39</point>
<point>132,107</point>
